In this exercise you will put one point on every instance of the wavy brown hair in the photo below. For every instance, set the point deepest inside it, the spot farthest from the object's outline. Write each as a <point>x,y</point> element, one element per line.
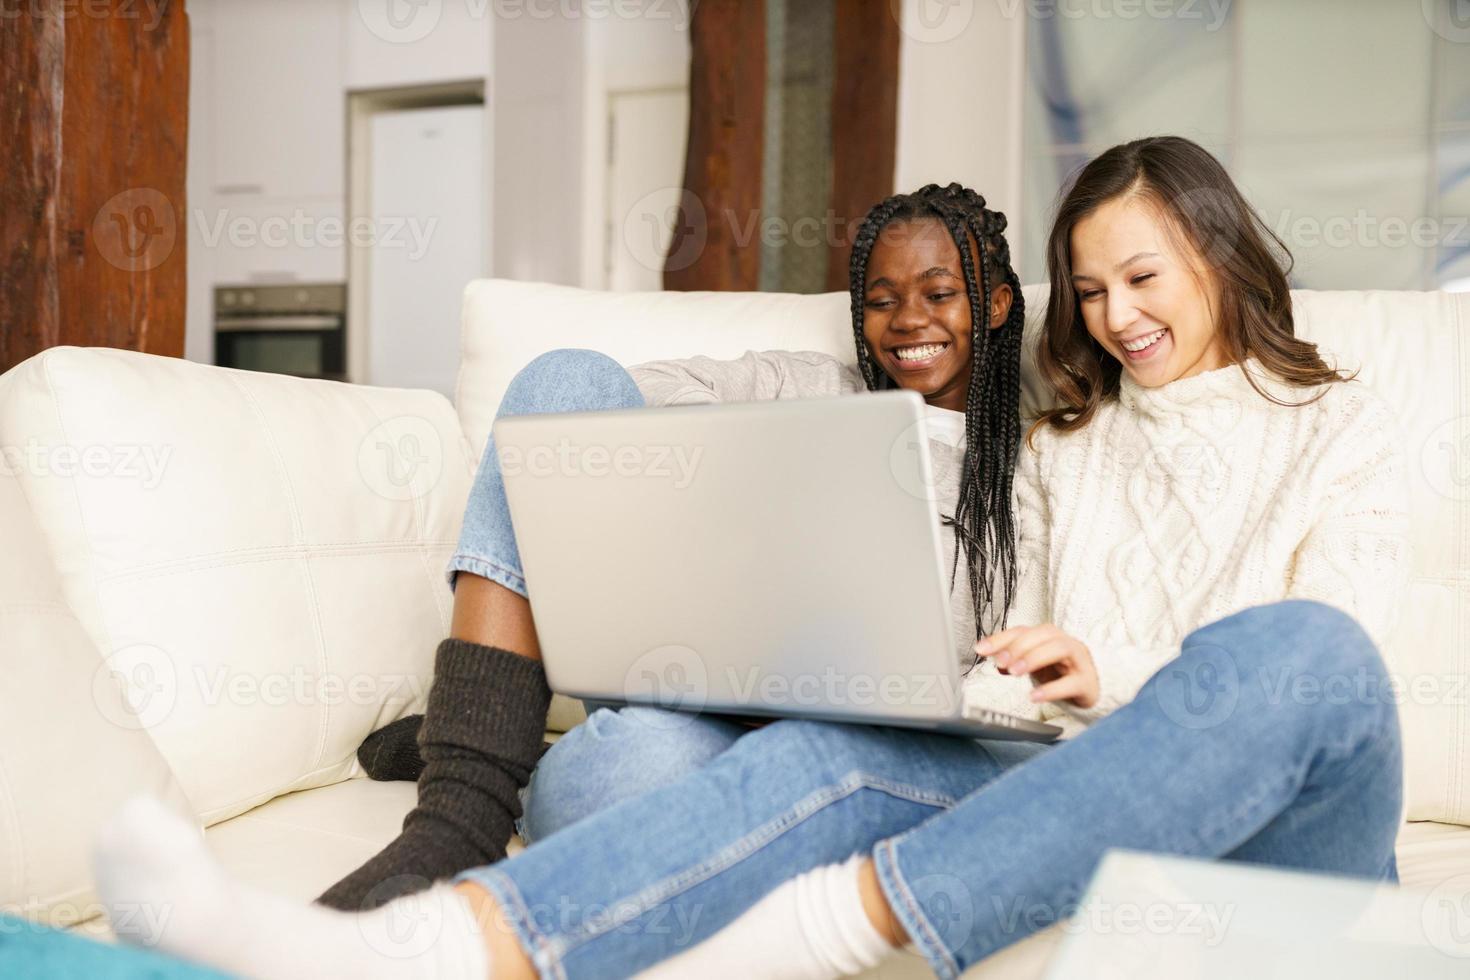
<point>1204,212</point>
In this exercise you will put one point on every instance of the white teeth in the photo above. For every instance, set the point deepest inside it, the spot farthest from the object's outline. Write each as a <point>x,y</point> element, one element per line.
<point>1142,342</point>
<point>919,353</point>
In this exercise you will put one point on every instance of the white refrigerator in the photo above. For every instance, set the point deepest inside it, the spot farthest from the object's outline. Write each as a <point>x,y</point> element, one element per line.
<point>428,221</point>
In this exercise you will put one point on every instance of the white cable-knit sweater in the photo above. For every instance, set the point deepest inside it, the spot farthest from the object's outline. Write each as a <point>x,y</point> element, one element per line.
<point>1174,507</point>
<point>1180,505</point>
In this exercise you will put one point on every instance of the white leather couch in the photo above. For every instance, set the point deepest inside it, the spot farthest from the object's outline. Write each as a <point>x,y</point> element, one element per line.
<point>215,583</point>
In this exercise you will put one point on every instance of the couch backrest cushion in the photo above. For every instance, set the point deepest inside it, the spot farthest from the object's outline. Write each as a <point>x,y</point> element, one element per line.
<point>71,749</point>
<point>505,324</point>
<point>1414,348</point>
<point>264,554</point>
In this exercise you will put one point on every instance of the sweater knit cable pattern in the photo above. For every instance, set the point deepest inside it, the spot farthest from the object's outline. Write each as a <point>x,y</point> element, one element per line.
<point>1181,505</point>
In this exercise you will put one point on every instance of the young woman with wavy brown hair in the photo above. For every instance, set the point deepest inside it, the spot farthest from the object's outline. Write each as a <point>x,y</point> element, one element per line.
<point>1212,523</point>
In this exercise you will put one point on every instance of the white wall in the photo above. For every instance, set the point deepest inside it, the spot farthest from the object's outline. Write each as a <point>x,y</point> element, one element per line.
<point>455,45</point>
<point>624,55</point>
<point>536,103</point>
<point>198,183</point>
<point>961,86</point>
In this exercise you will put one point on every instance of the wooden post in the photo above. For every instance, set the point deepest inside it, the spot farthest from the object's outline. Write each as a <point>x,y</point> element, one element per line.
<point>864,119</point>
<point>94,114</point>
<point>716,242</point>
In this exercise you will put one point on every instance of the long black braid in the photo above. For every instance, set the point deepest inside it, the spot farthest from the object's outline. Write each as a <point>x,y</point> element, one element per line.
<point>983,522</point>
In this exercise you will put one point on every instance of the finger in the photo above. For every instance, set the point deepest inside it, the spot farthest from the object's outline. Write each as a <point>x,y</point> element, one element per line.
<point>1001,639</point>
<point>1045,654</point>
<point>1023,650</point>
<point>1022,645</point>
<point>1066,687</point>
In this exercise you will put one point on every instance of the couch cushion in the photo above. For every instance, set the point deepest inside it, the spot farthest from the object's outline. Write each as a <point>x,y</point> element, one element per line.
<point>1414,349</point>
<point>505,324</point>
<point>299,844</point>
<point>71,749</point>
<point>265,553</point>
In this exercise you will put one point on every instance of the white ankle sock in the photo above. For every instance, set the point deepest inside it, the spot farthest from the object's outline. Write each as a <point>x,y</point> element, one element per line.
<point>811,928</point>
<point>162,888</point>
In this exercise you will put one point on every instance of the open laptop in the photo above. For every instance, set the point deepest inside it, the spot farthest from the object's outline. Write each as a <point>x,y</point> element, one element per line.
<point>777,558</point>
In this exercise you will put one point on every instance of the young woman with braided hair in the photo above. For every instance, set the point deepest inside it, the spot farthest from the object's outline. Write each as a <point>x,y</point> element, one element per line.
<point>984,375</point>
<point>1164,613</point>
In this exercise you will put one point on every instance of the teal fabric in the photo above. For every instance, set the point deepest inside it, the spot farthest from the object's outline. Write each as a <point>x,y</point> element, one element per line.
<point>38,952</point>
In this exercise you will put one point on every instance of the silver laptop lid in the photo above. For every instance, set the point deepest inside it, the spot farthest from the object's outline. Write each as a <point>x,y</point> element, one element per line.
<point>737,557</point>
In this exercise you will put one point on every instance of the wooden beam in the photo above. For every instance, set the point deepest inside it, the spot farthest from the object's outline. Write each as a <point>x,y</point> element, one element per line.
<point>716,242</point>
<point>864,119</point>
<point>94,141</point>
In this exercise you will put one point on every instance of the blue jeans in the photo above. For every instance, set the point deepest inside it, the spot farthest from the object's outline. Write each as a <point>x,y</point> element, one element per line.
<point>558,381</point>
<point>615,754</point>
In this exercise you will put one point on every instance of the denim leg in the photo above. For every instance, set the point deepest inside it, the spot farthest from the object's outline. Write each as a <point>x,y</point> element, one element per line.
<point>1273,737</point>
<point>615,755</point>
<point>650,876</point>
<point>568,380</point>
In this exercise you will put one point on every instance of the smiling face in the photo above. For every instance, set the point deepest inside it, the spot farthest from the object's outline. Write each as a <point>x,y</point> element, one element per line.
<point>1145,299</point>
<point>916,319</point>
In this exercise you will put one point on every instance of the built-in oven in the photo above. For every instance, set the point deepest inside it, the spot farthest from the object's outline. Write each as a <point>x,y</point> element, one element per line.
<point>287,329</point>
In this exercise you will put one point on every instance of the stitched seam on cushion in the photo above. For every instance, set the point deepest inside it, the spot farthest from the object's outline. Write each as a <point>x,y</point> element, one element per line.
<point>90,564</point>
<point>334,834</point>
<point>436,591</point>
<point>216,559</point>
<point>294,554</point>
<point>254,800</point>
<point>45,607</point>
<point>325,711</point>
<point>91,573</point>
<point>420,531</point>
<point>12,822</point>
<point>763,835</point>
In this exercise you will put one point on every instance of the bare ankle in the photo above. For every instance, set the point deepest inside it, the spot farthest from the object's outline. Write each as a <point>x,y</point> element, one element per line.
<point>875,904</point>
<point>488,613</point>
<point>507,960</point>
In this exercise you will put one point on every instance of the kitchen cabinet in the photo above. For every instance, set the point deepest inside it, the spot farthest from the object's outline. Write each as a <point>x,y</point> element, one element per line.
<point>279,100</point>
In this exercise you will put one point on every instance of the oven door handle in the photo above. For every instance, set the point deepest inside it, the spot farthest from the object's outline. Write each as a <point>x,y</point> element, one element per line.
<point>268,324</point>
